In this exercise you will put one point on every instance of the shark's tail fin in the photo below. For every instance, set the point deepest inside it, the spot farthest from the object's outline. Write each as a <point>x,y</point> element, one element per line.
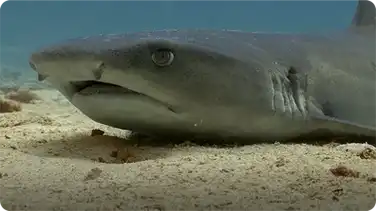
<point>365,15</point>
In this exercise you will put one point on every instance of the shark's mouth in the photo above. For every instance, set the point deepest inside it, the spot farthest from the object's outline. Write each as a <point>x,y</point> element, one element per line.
<point>89,88</point>
<point>96,87</point>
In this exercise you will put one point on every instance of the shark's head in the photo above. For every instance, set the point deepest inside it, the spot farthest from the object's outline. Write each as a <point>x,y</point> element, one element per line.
<point>148,82</point>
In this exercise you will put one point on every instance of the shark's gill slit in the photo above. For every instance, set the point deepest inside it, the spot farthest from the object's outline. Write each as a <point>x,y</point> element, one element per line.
<point>285,94</point>
<point>279,98</point>
<point>297,90</point>
<point>273,82</point>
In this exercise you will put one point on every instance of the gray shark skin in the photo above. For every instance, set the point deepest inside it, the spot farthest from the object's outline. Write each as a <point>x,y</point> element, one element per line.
<point>222,83</point>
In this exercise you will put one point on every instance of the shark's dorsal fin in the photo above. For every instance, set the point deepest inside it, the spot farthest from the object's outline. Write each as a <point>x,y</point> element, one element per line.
<point>364,19</point>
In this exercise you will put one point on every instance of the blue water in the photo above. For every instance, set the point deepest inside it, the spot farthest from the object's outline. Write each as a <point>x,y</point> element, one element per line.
<point>28,25</point>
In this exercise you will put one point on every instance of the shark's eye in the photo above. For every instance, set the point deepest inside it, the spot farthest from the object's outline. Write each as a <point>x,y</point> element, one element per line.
<point>162,57</point>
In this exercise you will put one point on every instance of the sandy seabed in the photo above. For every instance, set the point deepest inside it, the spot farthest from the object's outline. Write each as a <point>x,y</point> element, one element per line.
<point>50,160</point>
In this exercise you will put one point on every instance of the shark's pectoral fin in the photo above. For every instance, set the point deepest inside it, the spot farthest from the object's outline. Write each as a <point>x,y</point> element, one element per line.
<point>341,127</point>
<point>322,118</point>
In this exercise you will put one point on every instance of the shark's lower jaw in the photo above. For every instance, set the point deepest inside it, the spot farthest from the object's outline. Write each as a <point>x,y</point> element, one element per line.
<point>123,108</point>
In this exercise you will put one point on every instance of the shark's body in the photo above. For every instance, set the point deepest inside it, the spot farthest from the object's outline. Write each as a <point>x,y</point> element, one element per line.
<point>222,83</point>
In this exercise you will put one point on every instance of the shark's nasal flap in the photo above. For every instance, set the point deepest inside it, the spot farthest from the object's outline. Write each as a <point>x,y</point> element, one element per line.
<point>365,14</point>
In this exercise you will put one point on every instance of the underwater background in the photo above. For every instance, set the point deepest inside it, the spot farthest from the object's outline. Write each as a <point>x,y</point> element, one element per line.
<point>26,26</point>
<point>53,157</point>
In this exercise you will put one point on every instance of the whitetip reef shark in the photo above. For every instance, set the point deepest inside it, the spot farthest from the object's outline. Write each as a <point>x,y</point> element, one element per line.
<point>222,83</point>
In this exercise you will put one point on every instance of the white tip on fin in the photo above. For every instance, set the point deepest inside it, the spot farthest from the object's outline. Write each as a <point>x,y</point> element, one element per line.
<point>365,14</point>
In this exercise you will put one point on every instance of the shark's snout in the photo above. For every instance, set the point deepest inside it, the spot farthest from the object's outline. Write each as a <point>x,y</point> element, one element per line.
<point>67,65</point>
<point>33,66</point>
<point>34,59</point>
